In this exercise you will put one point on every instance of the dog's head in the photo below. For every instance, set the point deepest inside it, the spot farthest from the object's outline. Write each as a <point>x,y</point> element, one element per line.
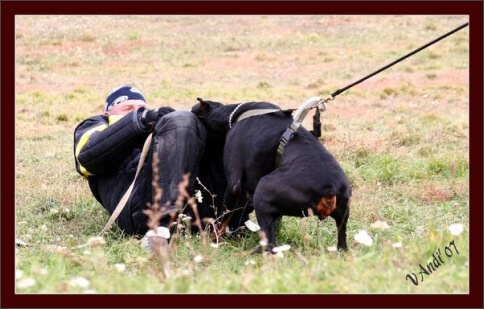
<point>213,115</point>
<point>204,107</point>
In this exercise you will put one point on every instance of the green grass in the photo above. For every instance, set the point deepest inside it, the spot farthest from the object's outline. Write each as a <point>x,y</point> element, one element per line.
<point>402,137</point>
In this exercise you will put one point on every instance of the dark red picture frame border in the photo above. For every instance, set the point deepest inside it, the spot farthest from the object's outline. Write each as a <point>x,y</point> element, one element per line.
<point>474,9</point>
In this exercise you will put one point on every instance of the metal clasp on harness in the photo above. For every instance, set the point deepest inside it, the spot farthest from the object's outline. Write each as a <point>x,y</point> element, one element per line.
<point>286,136</point>
<point>299,116</point>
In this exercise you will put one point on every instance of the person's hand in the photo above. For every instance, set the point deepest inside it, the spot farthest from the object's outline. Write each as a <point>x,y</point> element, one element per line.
<point>149,117</point>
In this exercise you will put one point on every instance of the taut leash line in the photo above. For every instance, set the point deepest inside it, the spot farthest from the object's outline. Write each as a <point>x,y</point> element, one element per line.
<point>314,102</point>
<point>396,61</point>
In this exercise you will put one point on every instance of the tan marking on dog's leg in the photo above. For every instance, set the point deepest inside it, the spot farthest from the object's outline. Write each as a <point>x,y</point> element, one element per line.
<point>326,205</point>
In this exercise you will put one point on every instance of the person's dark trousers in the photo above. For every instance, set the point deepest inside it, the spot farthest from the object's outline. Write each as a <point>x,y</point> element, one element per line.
<point>178,143</point>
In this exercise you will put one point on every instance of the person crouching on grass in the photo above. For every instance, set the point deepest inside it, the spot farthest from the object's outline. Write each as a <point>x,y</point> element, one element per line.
<point>107,149</point>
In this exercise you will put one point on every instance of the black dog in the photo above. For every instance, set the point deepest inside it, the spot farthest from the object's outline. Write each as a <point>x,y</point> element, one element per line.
<point>307,179</point>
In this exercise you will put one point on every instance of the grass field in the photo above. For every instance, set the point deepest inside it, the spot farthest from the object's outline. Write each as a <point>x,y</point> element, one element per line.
<point>402,137</point>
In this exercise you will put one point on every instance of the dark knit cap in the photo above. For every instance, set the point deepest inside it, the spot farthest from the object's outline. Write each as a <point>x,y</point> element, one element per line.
<point>121,94</point>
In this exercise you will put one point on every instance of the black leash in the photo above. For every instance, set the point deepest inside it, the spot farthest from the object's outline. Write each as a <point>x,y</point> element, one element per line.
<point>288,134</point>
<point>396,61</point>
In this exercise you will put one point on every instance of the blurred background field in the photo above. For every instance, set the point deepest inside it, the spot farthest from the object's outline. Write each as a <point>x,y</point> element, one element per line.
<point>402,137</point>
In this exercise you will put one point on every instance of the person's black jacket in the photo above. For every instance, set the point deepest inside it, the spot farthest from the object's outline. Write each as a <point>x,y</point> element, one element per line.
<point>107,150</point>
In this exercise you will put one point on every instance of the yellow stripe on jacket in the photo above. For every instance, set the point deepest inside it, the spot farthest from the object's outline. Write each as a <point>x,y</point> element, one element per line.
<point>85,137</point>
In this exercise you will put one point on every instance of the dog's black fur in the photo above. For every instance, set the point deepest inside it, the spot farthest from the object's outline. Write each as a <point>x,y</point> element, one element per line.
<point>213,185</point>
<point>308,180</point>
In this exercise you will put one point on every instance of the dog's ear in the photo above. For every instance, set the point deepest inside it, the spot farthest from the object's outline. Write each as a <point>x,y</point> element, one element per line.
<point>203,104</point>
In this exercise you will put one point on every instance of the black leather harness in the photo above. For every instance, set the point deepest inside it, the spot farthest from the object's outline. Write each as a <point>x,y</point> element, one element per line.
<point>301,113</point>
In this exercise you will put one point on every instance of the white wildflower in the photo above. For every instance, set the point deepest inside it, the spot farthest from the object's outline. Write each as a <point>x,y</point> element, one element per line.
<point>380,225</point>
<point>198,258</point>
<point>21,243</point>
<point>41,271</point>
<point>456,228</point>
<point>332,249</point>
<point>250,262</point>
<point>120,267</point>
<point>363,238</point>
<point>397,245</point>
<point>18,274</point>
<point>198,196</point>
<point>80,282</point>
<point>26,283</point>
